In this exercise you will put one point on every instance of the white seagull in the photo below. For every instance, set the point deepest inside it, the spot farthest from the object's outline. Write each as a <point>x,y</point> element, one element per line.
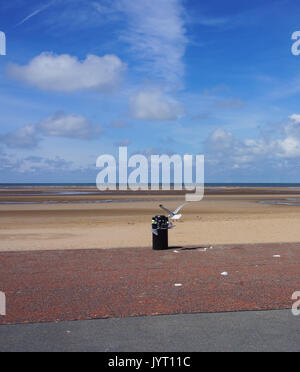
<point>174,215</point>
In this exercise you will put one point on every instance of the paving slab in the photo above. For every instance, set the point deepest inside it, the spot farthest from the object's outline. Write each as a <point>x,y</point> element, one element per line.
<point>62,285</point>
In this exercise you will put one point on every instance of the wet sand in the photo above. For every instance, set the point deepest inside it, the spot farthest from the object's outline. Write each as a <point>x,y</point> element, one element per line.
<point>122,220</point>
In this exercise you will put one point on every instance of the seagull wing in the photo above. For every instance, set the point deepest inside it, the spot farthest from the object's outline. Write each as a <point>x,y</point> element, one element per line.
<point>178,209</point>
<point>167,210</point>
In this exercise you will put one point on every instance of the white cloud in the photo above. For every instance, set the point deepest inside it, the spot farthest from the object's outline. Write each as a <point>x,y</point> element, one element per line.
<point>65,73</point>
<point>283,144</point>
<point>289,148</point>
<point>225,148</point>
<point>15,167</point>
<point>154,105</point>
<point>38,164</point>
<point>293,126</point>
<point>221,140</point>
<point>71,126</point>
<point>154,29</point>
<point>295,118</point>
<point>42,167</point>
<point>58,125</point>
<point>157,35</point>
<point>7,162</point>
<point>25,137</point>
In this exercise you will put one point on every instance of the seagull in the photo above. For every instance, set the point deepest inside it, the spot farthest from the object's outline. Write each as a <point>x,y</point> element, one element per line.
<point>173,215</point>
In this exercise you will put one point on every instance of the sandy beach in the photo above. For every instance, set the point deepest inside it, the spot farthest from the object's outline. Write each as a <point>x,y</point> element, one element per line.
<point>86,219</point>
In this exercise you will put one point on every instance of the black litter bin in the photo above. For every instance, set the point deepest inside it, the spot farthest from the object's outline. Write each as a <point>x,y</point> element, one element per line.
<point>160,226</point>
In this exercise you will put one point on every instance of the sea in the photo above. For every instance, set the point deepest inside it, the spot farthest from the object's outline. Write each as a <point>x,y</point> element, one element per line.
<point>77,185</point>
<point>82,189</point>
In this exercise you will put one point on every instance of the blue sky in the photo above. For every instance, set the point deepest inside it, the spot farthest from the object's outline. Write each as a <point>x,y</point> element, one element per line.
<point>82,77</point>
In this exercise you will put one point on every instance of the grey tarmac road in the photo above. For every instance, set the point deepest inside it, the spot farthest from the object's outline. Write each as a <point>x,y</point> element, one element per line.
<point>240,331</point>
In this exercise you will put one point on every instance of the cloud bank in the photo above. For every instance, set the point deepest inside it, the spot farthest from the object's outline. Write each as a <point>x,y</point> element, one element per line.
<point>278,149</point>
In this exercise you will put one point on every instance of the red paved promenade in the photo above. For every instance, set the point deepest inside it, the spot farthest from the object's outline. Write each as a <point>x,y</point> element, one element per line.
<point>71,285</point>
